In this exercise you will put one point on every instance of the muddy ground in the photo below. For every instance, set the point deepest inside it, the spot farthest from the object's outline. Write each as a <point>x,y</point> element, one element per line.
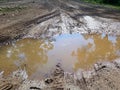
<point>46,18</point>
<point>103,76</point>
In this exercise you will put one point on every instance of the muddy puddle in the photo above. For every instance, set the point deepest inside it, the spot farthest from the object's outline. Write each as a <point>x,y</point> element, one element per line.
<point>73,51</point>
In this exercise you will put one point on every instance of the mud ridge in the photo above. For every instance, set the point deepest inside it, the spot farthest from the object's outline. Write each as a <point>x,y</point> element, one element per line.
<point>104,75</point>
<point>43,18</point>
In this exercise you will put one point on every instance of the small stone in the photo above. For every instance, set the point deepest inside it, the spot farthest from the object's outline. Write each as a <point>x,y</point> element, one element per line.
<point>117,63</point>
<point>48,81</point>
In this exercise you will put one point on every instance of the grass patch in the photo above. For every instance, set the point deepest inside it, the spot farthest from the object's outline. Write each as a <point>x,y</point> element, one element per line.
<point>10,9</point>
<point>99,2</point>
<point>3,1</point>
<point>112,6</point>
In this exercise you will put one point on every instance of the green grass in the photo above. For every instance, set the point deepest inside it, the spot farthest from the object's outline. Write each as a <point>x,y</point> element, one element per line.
<point>112,6</point>
<point>3,0</point>
<point>10,9</point>
<point>98,2</point>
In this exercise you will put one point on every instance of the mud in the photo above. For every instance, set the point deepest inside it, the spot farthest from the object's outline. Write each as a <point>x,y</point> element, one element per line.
<point>104,75</point>
<point>40,59</point>
<point>45,19</point>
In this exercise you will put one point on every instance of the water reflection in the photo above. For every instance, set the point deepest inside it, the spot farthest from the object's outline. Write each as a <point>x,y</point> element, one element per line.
<point>73,51</point>
<point>64,48</point>
<point>27,52</point>
<point>106,47</point>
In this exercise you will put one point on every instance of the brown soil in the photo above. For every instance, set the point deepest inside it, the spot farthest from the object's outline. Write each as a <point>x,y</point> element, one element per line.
<point>15,24</point>
<point>38,18</point>
<point>104,76</point>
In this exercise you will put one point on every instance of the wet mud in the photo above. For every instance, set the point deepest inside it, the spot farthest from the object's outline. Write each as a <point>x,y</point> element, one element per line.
<point>59,45</point>
<point>73,51</point>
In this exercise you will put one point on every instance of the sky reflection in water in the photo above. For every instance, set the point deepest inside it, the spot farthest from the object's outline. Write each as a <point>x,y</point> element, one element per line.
<point>73,51</point>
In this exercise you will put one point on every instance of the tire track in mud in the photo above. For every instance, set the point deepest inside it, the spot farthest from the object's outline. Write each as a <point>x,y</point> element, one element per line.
<point>43,18</point>
<point>71,8</point>
<point>6,86</point>
<point>21,27</point>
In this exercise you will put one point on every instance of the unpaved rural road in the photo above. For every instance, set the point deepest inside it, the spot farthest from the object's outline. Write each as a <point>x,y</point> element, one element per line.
<point>46,18</point>
<point>51,17</point>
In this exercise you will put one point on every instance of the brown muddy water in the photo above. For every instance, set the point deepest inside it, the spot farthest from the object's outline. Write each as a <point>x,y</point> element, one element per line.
<point>73,51</point>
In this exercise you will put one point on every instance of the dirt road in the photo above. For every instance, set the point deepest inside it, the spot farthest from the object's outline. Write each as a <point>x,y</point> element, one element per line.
<point>33,18</point>
<point>46,18</point>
